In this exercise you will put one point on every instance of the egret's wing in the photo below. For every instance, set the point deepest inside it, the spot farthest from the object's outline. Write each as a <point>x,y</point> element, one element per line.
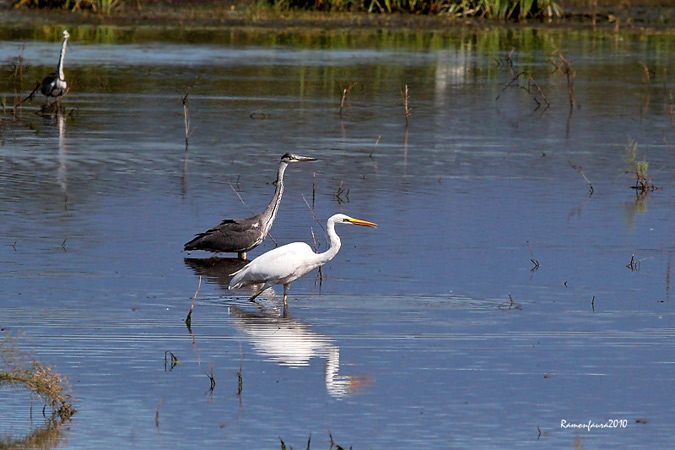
<point>278,264</point>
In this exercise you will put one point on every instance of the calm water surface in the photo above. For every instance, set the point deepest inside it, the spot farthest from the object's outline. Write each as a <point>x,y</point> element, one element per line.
<point>435,330</point>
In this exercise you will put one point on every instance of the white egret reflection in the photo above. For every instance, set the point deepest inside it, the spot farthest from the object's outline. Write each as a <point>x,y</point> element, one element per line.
<point>290,343</point>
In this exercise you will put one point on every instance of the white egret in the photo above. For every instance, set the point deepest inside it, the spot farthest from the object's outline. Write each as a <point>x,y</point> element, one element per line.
<point>287,263</point>
<point>241,235</point>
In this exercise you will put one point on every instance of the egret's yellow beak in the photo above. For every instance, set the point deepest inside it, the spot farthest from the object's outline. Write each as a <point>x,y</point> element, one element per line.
<point>305,159</point>
<point>363,223</point>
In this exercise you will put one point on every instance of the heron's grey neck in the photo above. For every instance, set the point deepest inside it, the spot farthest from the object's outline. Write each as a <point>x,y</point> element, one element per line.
<point>271,211</point>
<point>61,56</point>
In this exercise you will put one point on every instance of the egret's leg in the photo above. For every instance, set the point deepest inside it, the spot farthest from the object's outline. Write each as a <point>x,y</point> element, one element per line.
<point>260,291</point>
<point>285,294</point>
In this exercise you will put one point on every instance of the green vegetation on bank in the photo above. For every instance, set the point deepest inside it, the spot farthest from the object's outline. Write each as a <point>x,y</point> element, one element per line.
<point>493,9</point>
<point>490,9</point>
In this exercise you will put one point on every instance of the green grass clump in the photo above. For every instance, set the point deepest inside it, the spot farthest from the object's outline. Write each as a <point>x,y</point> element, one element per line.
<point>639,168</point>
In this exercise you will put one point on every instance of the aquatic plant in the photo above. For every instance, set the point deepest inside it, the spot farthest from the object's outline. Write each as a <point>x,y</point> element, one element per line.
<point>20,370</point>
<point>643,183</point>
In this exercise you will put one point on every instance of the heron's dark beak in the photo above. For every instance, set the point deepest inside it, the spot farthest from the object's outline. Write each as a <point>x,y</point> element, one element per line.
<point>363,223</point>
<point>305,159</point>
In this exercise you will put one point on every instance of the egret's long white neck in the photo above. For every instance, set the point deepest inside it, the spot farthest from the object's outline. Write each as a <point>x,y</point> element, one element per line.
<point>61,57</point>
<point>271,211</point>
<point>334,246</point>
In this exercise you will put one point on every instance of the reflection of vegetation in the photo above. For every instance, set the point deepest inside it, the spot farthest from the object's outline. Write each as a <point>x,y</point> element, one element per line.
<point>18,369</point>
<point>45,437</point>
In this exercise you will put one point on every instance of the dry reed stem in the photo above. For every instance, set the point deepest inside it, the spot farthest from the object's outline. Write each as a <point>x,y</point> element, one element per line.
<point>186,118</point>
<point>570,75</point>
<point>515,82</point>
<point>343,97</point>
<point>647,73</point>
<point>407,110</point>
<point>188,319</point>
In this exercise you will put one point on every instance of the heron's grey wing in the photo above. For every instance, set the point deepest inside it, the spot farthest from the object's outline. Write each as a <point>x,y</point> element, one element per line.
<point>49,84</point>
<point>232,235</point>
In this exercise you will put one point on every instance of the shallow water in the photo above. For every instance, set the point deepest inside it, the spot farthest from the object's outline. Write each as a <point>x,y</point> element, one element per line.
<point>435,329</point>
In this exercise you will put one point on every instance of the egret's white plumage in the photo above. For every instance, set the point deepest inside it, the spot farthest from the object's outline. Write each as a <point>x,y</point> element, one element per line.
<point>287,263</point>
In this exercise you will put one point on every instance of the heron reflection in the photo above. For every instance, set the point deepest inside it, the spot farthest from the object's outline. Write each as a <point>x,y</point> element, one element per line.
<point>62,171</point>
<point>286,341</point>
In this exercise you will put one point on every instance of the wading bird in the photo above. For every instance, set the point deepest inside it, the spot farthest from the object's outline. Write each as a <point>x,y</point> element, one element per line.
<point>54,85</point>
<point>241,235</point>
<point>287,263</point>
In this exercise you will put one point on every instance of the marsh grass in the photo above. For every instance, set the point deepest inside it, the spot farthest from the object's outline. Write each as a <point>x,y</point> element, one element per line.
<point>492,9</point>
<point>103,7</point>
<point>19,370</point>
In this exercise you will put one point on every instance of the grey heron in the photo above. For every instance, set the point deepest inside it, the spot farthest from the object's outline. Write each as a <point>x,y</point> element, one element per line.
<point>287,263</point>
<point>241,235</point>
<point>54,84</point>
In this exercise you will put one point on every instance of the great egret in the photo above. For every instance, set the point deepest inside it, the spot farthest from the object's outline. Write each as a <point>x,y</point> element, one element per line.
<point>54,84</point>
<point>241,235</point>
<point>287,263</point>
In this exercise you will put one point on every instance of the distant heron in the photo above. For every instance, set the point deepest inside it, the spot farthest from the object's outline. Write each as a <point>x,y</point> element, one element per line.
<point>54,85</point>
<point>241,235</point>
<point>287,263</point>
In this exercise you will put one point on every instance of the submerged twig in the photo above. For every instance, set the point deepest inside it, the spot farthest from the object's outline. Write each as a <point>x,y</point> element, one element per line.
<point>27,98</point>
<point>634,264</point>
<point>510,305</point>
<point>533,259</point>
<point>340,191</point>
<point>172,361</point>
<point>159,405</point>
<point>581,172</point>
<point>212,379</point>
<point>515,82</point>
